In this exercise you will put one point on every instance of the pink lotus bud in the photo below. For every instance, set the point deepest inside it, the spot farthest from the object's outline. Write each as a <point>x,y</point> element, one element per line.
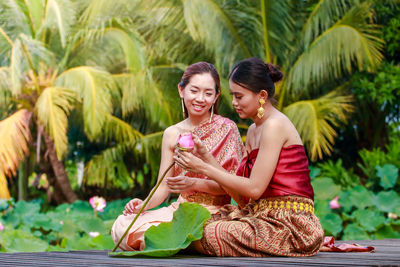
<point>1,227</point>
<point>97,203</point>
<point>334,203</point>
<point>393,216</point>
<point>185,142</point>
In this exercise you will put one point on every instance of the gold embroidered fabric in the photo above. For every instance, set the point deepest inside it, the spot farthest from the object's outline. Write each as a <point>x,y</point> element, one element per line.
<point>207,199</point>
<point>278,226</point>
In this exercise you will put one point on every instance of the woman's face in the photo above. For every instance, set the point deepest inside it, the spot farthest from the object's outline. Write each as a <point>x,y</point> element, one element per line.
<point>244,101</point>
<point>199,94</point>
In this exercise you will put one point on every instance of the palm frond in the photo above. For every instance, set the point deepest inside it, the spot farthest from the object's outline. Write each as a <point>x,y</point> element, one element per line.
<point>15,136</point>
<point>208,23</point>
<point>351,44</point>
<point>27,54</point>
<point>323,15</point>
<point>278,27</point>
<point>4,192</point>
<point>60,14</point>
<point>115,129</point>
<point>52,109</point>
<point>93,86</point>
<point>34,11</point>
<point>138,89</point>
<point>315,120</point>
<point>14,18</point>
<point>108,164</point>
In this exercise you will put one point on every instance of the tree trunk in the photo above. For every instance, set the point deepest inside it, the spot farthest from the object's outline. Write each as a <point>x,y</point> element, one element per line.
<point>59,170</point>
<point>23,180</point>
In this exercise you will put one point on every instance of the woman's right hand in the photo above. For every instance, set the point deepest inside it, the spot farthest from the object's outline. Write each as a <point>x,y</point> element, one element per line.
<point>133,206</point>
<point>200,148</point>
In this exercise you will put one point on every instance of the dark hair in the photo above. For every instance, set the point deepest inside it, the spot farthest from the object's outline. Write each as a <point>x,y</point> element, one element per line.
<point>200,68</point>
<point>255,75</point>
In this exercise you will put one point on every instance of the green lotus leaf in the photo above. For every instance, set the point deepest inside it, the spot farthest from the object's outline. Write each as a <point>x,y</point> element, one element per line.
<point>355,232</point>
<point>93,225</point>
<point>69,228</point>
<point>325,188</point>
<point>387,232</point>
<point>387,201</point>
<point>368,219</point>
<point>102,242</point>
<point>168,238</point>
<point>345,201</point>
<point>77,242</point>
<point>332,223</point>
<point>360,197</point>
<point>388,174</point>
<point>46,223</point>
<point>21,241</point>
<point>321,208</point>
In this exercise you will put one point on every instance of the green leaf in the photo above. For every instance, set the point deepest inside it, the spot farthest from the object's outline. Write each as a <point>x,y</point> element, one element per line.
<point>368,219</point>
<point>321,208</point>
<point>102,242</point>
<point>325,189</point>
<point>314,172</point>
<point>388,174</point>
<point>168,238</point>
<point>354,232</point>
<point>360,197</point>
<point>387,232</point>
<point>21,241</point>
<point>387,201</point>
<point>93,225</point>
<point>332,223</point>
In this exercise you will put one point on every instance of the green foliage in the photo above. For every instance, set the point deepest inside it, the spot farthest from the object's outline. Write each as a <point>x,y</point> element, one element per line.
<point>338,173</point>
<point>168,238</point>
<point>66,227</point>
<point>368,211</point>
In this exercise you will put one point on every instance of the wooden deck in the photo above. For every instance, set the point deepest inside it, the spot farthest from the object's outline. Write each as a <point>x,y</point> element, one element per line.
<point>387,254</point>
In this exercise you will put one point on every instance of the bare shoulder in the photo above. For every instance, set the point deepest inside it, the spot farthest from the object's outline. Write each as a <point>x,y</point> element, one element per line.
<point>170,135</point>
<point>251,129</point>
<point>280,125</point>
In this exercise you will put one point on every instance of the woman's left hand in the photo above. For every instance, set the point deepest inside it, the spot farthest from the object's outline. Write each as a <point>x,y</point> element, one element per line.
<point>188,161</point>
<point>180,184</point>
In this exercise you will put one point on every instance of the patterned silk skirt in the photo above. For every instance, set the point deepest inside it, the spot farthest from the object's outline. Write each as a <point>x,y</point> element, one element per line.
<point>278,226</point>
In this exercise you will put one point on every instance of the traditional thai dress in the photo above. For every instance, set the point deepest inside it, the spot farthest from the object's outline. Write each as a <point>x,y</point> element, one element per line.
<point>221,137</point>
<point>280,223</point>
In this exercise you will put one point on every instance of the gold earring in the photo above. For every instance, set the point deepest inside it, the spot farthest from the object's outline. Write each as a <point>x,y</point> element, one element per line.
<point>260,110</point>
<point>183,108</point>
<point>212,112</point>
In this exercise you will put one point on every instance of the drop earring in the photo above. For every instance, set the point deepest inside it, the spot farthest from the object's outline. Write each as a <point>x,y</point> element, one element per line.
<point>260,110</point>
<point>183,108</point>
<point>212,112</point>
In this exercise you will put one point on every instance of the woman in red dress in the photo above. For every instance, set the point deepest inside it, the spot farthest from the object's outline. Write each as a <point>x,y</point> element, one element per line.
<point>275,214</point>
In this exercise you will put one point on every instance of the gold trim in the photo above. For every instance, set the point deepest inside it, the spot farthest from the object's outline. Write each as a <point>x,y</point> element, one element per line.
<point>264,204</point>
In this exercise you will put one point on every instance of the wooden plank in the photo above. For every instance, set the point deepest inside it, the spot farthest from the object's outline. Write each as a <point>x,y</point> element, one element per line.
<point>387,253</point>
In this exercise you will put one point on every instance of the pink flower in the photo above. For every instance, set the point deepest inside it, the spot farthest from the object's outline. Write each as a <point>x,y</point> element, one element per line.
<point>334,203</point>
<point>393,216</point>
<point>1,227</point>
<point>97,203</point>
<point>185,142</point>
<point>93,234</point>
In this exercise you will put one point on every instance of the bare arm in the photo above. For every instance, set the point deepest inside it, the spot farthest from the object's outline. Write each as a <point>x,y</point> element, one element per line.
<point>168,144</point>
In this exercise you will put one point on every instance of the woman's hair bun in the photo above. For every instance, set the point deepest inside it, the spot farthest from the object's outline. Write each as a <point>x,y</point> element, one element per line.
<point>274,72</point>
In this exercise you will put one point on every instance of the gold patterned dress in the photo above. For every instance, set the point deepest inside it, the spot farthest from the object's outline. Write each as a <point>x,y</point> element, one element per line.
<point>281,223</point>
<point>221,137</point>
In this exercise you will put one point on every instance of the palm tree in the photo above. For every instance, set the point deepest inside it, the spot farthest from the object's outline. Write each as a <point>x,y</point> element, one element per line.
<point>318,44</point>
<point>50,64</point>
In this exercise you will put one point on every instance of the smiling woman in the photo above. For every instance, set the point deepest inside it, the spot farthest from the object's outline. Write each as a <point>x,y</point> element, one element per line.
<point>199,90</point>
